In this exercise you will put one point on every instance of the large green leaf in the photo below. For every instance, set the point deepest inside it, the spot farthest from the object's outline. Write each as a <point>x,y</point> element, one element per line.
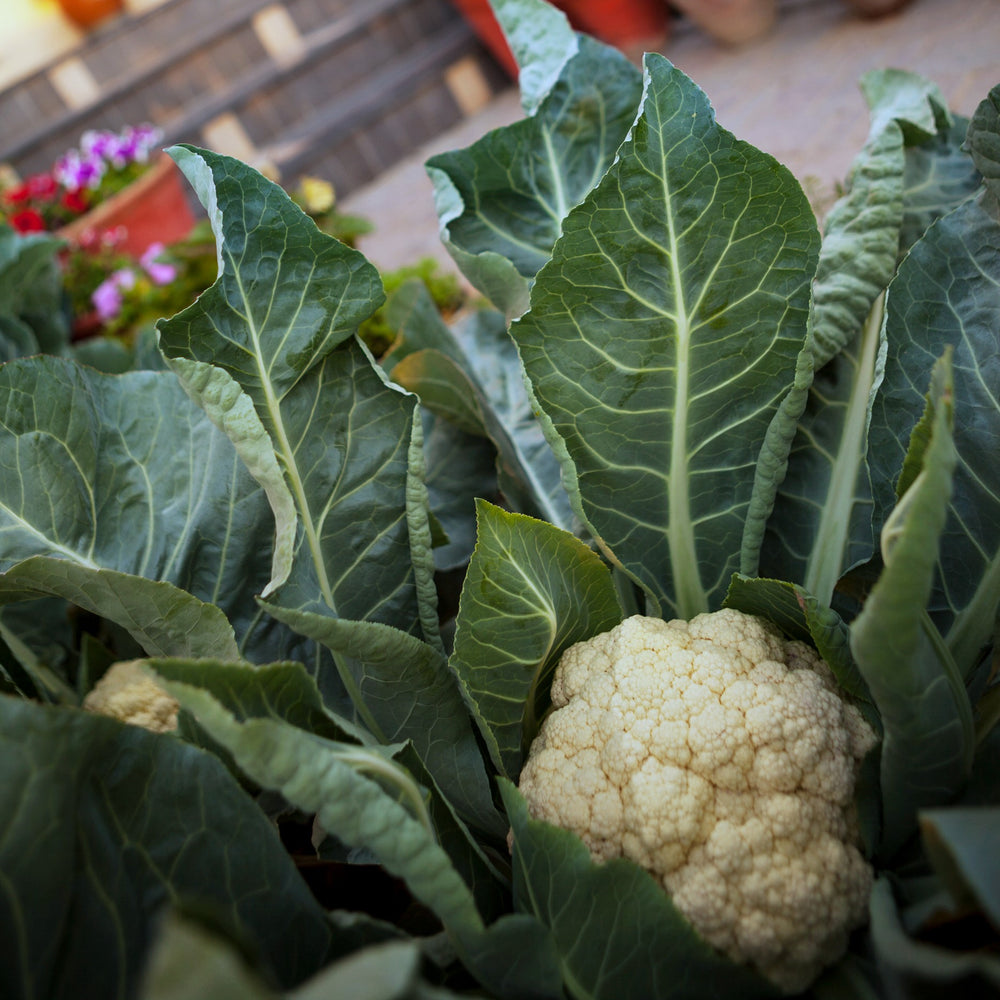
<point>358,794</point>
<point>615,930</point>
<point>119,475</point>
<point>946,294</point>
<point>912,968</point>
<point>472,375</point>
<point>101,825</point>
<point>501,202</point>
<point>821,524</point>
<point>531,591</point>
<point>663,334</point>
<point>928,737</point>
<point>541,40</point>
<point>279,322</point>
<point>32,317</point>
<point>940,175</point>
<point>984,140</point>
<point>961,844</point>
<point>410,694</point>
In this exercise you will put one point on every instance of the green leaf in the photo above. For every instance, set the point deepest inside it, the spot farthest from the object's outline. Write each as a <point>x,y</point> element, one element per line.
<point>31,291</point>
<point>542,42</point>
<point>357,794</point>
<point>279,321</point>
<point>101,825</point>
<point>984,140</point>
<point>909,967</point>
<point>821,520</point>
<point>459,467</point>
<point>162,618</point>
<point>616,932</point>
<point>501,202</point>
<point>946,295</point>
<point>118,477</point>
<point>677,293</point>
<point>188,962</point>
<point>411,694</point>
<point>913,101</point>
<point>928,730</point>
<point>801,616</point>
<point>442,387</point>
<point>530,592</point>
<point>820,525</point>
<point>961,844</point>
<point>940,175</point>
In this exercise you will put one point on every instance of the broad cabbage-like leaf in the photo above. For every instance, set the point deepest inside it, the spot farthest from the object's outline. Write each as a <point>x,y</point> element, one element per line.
<point>663,335</point>
<point>108,477</point>
<point>557,592</point>
<point>928,738</point>
<point>501,202</point>
<point>279,324</point>
<point>101,825</point>
<point>616,931</point>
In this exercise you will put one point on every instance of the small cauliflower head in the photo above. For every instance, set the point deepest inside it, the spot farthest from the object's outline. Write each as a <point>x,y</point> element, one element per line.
<point>722,758</point>
<point>128,694</point>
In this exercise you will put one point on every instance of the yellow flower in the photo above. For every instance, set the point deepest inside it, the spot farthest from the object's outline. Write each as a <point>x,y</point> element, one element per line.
<point>317,195</point>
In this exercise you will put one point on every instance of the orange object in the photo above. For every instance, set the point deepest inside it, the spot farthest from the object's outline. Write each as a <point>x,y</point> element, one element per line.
<point>630,25</point>
<point>87,13</point>
<point>152,209</point>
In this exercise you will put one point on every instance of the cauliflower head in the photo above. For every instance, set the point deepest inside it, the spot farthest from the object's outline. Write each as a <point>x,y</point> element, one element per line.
<point>126,693</point>
<point>722,758</point>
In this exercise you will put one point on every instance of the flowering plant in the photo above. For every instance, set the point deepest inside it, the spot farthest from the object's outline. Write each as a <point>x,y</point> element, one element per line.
<point>103,164</point>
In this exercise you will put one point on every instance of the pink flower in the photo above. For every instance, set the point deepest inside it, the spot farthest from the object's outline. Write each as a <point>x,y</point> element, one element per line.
<point>107,297</point>
<point>159,272</point>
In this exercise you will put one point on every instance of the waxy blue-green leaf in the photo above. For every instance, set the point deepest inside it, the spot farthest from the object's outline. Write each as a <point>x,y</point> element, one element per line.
<point>961,844</point>
<point>280,322</point>
<point>31,289</point>
<point>946,294</point>
<point>164,619</point>
<point>911,967</point>
<point>616,931</point>
<point>983,140</point>
<point>531,591</point>
<point>928,739</point>
<point>799,615</point>
<point>542,42</point>
<point>410,694</point>
<point>358,794</point>
<point>663,335</point>
<point>940,174</point>
<point>821,522</point>
<point>123,475</point>
<point>102,825</point>
<point>501,201</point>
<point>471,374</point>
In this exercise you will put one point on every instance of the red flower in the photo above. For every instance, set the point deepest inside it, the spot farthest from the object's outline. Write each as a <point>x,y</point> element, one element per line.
<point>17,195</point>
<point>74,201</point>
<point>27,221</point>
<point>42,186</point>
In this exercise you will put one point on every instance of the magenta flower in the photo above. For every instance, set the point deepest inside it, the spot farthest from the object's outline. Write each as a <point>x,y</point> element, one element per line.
<point>107,297</point>
<point>159,272</point>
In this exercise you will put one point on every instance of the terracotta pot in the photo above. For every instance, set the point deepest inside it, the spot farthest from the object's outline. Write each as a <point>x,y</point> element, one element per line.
<point>631,25</point>
<point>732,22</point>
<point>152,209</point>
<point>87,13</point>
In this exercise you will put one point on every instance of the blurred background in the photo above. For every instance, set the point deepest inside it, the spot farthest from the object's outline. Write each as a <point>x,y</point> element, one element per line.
<point>359,94</point>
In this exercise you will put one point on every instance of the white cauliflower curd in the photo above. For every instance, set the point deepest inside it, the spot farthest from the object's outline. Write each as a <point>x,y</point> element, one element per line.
<point>128,694</point>
<point>721,758</point>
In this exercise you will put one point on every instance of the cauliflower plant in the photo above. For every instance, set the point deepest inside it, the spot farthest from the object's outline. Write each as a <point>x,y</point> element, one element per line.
<point>721,758</point>
<point>126,693</point>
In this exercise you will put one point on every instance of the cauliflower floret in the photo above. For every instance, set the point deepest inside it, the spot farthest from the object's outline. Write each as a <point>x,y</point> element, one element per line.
<point>722,758</point>
<point>126,693</point>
